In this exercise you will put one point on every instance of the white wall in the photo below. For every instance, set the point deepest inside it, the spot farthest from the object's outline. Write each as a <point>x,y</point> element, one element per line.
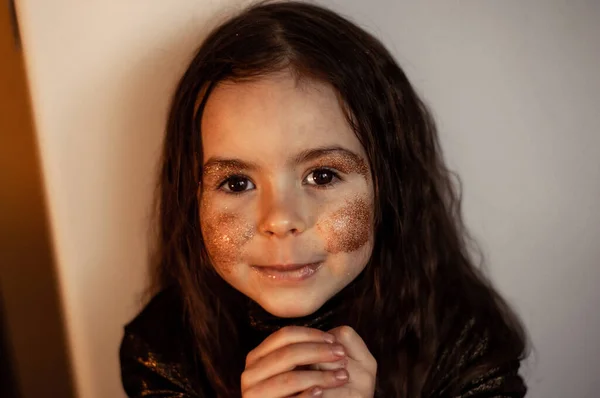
<point>513,84</point>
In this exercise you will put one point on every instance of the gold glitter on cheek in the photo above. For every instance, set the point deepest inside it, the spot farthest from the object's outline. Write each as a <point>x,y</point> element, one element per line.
<point>349,228</point>
<point>225,234</point>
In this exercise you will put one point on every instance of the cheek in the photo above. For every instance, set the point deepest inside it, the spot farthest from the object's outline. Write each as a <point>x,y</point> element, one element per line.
<point>349,228</point>
<point>224,235</point>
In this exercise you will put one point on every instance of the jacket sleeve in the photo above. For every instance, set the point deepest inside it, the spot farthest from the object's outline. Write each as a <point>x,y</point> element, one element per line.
<point>501,382</point>
<point>145,373</point>
<point>463,370</point>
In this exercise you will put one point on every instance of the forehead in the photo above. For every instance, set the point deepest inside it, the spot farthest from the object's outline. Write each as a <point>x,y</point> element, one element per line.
<point>274,117</point>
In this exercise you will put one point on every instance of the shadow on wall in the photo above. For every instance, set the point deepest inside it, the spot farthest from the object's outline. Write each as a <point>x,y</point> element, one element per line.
<point>8,380</point>
<point>31,324</point>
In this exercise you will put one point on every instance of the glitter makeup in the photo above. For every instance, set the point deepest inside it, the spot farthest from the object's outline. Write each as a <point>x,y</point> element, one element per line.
<point>345,162</point>
<point>224,235</point>
<point>217,169</point>
<point>349,228</point>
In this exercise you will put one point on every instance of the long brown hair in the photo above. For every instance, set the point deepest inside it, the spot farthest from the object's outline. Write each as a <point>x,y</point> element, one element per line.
<point>420,287</point>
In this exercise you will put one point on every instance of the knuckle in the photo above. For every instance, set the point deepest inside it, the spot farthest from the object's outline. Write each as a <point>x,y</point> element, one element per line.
<point>244,381</point>
<point>286,330</point>
<point>285,355</point>
<point>345,332</point>
<point>250,358</point>
<point>372,365</point>
<point>328,378</point>
<point>294,330</point>
<point>325,350</point>
<point>285,379</point>
<point>248,394</point>
<point>285,333</point>
<point>289,379</point>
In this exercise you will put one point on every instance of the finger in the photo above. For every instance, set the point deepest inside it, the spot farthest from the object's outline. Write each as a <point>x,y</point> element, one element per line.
<point>289,383</point>
<point>344,391</point>
<point>354,345</point>
<point>341,364</point>
<point>289,357</point>
<point>311,392</point>
<point>361,379</point>
<point>354,368</point>
<point>285,336</point>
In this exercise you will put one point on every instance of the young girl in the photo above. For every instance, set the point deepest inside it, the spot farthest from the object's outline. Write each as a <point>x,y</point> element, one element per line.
<point>310,241</point>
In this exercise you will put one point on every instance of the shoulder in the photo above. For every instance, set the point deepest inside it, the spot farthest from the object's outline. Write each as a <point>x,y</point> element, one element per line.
<point>481,357</point>
<point>155,352</point>
<point>160,320</point>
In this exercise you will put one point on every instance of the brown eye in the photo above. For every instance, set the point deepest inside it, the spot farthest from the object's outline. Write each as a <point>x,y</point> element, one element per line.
<point>237,184</point>
<point>321,177</point>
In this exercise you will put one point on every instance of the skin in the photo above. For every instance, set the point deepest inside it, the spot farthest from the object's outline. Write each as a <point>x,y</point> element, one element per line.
<point>272,134</point>
<point>341,365</point>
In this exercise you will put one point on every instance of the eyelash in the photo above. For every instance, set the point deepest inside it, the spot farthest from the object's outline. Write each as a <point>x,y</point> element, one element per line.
<point>223,182</point>
<point>336,179</point>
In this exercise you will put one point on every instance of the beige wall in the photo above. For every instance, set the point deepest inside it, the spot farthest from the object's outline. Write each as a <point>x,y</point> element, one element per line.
<point>514,85</point>
<point>29,294</point>
<point>101,74</point>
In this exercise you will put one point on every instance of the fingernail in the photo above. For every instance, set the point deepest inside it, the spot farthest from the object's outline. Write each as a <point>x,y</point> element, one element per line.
<point>338,350</point>
<point>341,374</point>
<point>316,392</point>
<point>329,338</point>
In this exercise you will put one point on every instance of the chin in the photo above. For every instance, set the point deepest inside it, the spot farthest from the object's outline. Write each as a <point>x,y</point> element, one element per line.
<point>292,307</point>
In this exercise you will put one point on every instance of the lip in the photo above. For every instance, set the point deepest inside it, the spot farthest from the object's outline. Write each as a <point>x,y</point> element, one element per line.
<point>288,272</point>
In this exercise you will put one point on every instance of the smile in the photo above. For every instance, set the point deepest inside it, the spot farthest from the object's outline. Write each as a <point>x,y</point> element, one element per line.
<point>288,272</point>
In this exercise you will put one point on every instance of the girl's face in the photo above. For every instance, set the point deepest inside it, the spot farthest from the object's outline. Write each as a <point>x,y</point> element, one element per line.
<point>286,200</point>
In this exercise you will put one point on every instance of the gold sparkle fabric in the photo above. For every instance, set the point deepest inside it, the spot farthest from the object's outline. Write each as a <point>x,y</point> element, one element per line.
<point>156,359</point>
<point>499,382</point>
<point>157,362</point>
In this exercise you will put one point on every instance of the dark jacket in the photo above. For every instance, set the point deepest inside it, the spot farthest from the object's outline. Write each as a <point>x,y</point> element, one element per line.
<point>157,360</point>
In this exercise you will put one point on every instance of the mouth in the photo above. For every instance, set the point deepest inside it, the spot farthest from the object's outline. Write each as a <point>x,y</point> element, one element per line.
<point>288,272</point>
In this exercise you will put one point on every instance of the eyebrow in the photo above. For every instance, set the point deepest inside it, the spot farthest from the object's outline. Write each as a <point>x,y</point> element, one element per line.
<point>216,163</point>
<point>316,153</point>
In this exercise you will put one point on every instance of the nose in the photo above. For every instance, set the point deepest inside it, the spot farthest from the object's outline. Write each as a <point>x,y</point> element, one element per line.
<point>281,214</point>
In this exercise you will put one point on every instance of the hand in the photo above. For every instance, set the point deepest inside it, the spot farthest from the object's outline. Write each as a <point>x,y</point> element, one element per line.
<point>272,368</point>
<point>360,364</point>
